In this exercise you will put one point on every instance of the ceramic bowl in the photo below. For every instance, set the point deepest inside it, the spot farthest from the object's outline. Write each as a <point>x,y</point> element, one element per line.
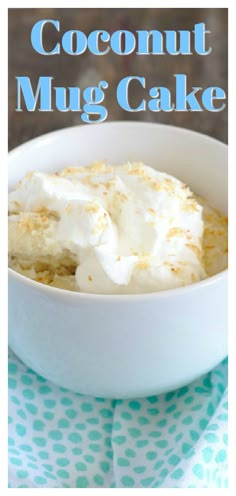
<point>123,346</point>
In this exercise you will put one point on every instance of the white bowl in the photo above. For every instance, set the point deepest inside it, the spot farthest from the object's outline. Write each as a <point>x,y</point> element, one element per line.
<point>129,345</point>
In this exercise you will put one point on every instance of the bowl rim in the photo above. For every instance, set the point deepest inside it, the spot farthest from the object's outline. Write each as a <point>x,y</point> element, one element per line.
<point>74,295</point>
<point>121,123</point>
<point>131,297</point>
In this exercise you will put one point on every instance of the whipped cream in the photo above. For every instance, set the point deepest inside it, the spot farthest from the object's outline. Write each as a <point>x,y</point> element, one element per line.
<point>124,229</point>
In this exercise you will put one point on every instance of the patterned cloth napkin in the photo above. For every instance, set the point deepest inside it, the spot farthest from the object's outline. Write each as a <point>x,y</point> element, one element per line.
<point>61,439</point>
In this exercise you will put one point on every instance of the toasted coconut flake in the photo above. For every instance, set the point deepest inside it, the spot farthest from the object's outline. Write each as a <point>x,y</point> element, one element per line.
<point>91,208</point>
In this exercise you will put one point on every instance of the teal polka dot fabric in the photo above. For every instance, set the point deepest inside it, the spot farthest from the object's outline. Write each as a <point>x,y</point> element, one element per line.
<point>60,439</point>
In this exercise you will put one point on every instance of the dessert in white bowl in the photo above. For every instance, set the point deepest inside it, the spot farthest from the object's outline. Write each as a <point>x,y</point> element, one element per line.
<point>113,230</point>
<point>125,345</point>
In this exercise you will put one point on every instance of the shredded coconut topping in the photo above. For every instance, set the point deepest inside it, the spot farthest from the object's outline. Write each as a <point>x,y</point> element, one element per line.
<point>113,229</point>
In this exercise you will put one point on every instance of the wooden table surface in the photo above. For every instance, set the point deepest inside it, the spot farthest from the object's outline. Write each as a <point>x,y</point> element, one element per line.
<point>88,69</point>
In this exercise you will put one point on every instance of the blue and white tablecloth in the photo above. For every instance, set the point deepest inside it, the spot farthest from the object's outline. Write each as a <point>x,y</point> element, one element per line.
<point>61,439</point>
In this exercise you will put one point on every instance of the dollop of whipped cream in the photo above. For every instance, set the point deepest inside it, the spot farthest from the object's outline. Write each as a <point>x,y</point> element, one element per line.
<point>130,228</point>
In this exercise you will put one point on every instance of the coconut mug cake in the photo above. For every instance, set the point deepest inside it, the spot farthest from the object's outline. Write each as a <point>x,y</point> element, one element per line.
<point>107,229</point>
